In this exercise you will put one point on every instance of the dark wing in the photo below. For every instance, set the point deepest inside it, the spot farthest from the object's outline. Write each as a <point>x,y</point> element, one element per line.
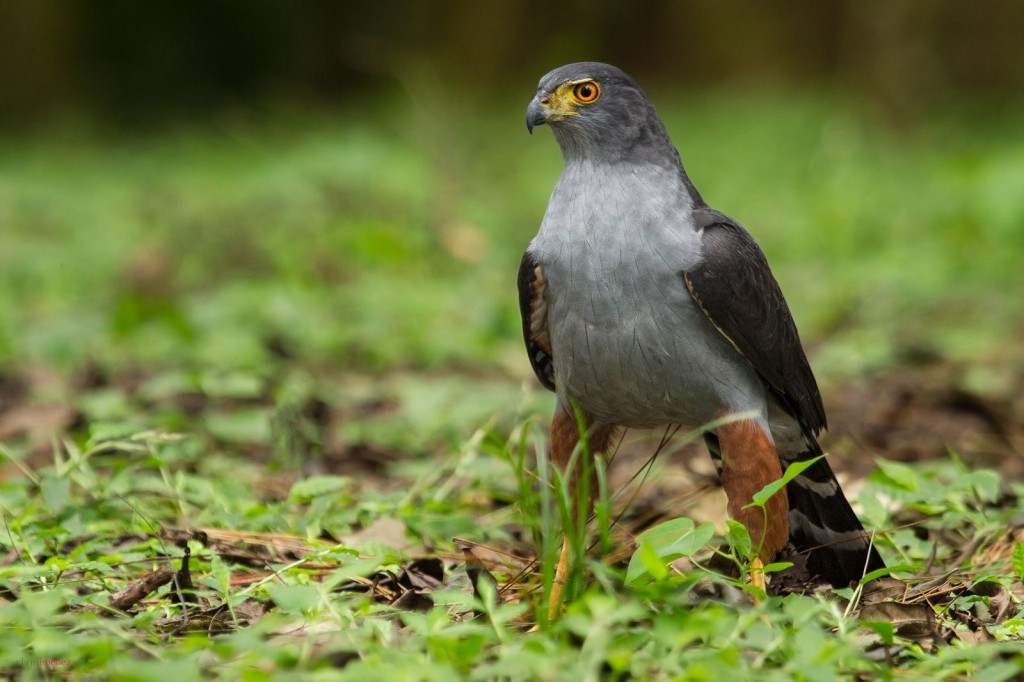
<point>736,290</point>
<point>533,306</point>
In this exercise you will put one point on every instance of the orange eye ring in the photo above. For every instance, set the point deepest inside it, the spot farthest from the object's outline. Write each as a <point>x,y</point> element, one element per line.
<point>587,92</point>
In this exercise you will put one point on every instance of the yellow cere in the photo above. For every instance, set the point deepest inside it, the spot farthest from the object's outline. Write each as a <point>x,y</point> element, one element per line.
<point>564,101</point>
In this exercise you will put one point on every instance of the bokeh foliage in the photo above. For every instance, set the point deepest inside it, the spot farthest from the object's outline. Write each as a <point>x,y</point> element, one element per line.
<point>292,237</point>
<point>390,238</point>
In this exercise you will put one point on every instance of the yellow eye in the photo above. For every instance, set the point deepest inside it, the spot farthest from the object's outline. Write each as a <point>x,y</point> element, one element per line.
<point>587,92</point>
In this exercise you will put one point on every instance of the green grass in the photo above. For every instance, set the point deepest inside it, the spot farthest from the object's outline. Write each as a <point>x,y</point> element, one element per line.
<point>221,307</point>
<point>90,521</point>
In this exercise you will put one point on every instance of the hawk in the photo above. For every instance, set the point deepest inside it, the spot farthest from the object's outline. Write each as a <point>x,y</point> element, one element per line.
<point>643,306</point>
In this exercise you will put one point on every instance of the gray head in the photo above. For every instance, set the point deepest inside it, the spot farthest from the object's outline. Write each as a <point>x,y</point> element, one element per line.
<point>596,111</point>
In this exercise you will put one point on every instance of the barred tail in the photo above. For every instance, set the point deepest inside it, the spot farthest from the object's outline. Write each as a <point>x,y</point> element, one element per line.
<point>824,528</point>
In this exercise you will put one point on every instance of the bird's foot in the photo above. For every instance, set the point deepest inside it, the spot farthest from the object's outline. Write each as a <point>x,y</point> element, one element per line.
<point>757,577</point>
<point>558,584</point>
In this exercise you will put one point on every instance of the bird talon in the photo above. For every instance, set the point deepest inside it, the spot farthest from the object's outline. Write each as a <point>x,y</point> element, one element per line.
<point>757,576</point>
<point>558,584</point>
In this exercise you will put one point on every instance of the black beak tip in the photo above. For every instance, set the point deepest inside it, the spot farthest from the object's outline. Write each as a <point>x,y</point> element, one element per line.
<point>535,116</point>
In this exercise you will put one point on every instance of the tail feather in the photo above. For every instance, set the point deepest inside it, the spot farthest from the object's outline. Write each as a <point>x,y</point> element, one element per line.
<point>823,526</point>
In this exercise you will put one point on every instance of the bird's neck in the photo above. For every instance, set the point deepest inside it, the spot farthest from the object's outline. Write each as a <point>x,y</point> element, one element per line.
<point>648,148</point>
<point>601,203</point>
<point>643,144</point>
<point>597,176</point>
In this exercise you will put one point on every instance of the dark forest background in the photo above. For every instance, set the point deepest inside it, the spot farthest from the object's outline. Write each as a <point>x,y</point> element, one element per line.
<point>129,62</point>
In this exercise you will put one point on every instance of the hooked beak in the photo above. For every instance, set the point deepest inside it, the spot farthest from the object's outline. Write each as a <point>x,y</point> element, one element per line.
<point>536,115</point>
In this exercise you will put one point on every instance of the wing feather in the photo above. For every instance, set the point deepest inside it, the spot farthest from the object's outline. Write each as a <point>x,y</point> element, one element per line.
<point>533,306</point>
<point>736,290</point>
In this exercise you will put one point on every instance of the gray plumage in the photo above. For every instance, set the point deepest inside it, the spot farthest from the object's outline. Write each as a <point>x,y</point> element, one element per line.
<point>658,310</point>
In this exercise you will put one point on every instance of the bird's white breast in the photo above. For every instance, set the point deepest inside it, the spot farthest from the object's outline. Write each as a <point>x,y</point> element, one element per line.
<point>627,339</point>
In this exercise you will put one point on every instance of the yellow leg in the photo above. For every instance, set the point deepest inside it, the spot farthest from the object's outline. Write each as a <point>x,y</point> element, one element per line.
<point>558,586</point>
<point>565,437</point>
<point>757,576</point>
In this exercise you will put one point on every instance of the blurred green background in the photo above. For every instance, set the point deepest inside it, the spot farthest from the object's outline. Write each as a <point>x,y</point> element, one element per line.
<point>257,275</point>
<point>264,200</point>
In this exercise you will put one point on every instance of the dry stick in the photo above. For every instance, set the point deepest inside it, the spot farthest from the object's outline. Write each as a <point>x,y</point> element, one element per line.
<point>528,564</point>
<point>186,612</point>
<point>139,589</point>
<point>939,580</point>
<point>475,569</point>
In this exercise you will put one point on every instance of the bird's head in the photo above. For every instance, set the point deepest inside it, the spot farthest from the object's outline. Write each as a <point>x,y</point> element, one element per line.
<point>595,110</point>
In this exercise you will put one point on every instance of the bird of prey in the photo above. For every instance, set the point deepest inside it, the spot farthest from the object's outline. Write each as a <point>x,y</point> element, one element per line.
<point>643,306</point>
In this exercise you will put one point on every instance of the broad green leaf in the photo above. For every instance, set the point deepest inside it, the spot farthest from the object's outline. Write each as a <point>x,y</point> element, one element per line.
<point>231,385</point>
<point>1018,560</point>
<point>221,573</point>
<point>664,543</point>
<point>882,628</point>
<point>738,538</point>
<point>315,486</point>
<point>690,543</point>
<point>985,483</point>
<point>645,562</point>
<point>55,492</point>
<point>998,671</point>
<point>792,471</point>
<point>666,533</point>
<point>889,570</point>
<point>294,599</point>
<point>247,425</point>
<point>359,568</point>
<point>896,475</point>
